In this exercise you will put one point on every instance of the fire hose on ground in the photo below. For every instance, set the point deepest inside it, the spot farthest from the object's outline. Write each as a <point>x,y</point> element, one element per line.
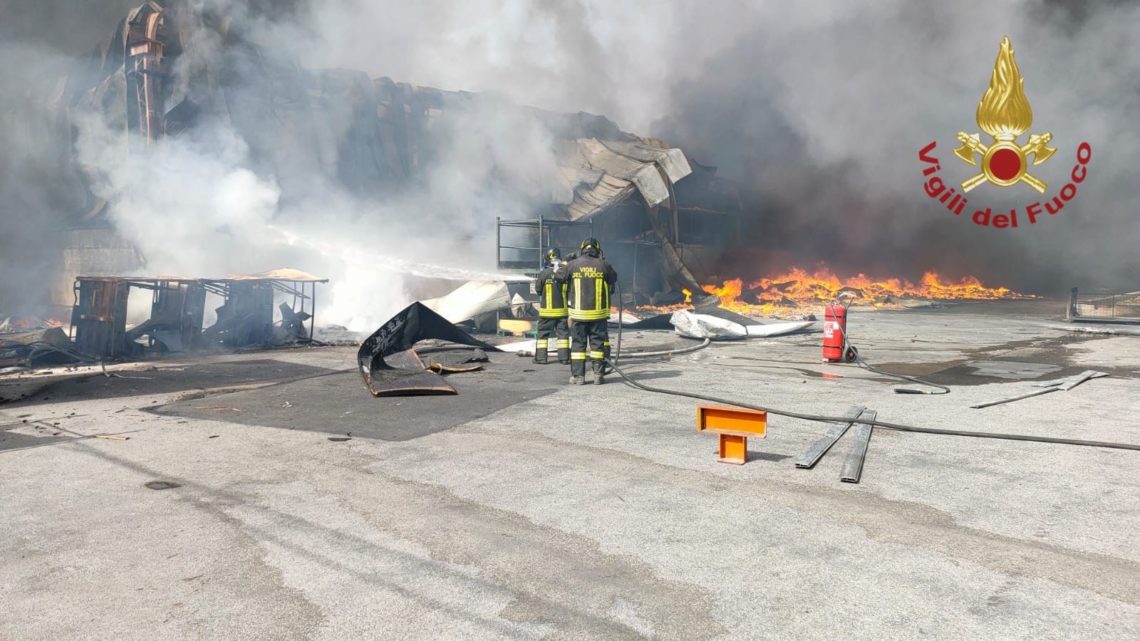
<point>848,348</point>
<point>820,418</point>
<point>657,353</point>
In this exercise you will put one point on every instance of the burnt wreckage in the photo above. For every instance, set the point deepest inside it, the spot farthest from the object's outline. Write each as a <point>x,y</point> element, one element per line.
<point>662,217</point>
<point>178,307</point>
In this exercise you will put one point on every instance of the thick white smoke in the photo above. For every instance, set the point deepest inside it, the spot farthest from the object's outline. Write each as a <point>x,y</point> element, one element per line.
<point>196,206</point>
<point>618,59</point>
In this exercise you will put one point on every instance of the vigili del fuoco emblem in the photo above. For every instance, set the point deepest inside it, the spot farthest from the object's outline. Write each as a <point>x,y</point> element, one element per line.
<point>1004,113</point>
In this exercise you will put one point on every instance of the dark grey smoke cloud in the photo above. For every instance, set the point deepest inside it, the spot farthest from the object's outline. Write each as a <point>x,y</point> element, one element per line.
<point>820,123</point>
<point>63,26</point>
<point>817,109</point>
<point>39,189</point>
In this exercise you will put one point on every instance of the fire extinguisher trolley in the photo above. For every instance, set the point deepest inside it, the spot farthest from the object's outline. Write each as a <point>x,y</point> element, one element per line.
<point>836,348</point>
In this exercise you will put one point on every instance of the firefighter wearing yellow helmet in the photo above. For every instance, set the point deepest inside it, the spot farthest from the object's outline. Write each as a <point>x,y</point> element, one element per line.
<point>552,311</point>
<point>589,280</point>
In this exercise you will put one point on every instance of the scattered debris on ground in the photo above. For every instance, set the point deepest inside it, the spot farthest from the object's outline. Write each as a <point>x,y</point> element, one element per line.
<point>391,366</point>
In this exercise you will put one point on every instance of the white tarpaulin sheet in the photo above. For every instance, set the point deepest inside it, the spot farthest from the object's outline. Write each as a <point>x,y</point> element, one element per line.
<point>779,329</point>
<point>692,325</point>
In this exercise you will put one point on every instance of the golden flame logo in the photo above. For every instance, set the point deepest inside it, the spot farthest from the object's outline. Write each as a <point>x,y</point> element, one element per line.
<point>1004,113</point>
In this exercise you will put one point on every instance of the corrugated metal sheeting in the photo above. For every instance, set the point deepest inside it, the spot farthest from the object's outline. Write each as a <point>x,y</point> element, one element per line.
<point>603,173</point>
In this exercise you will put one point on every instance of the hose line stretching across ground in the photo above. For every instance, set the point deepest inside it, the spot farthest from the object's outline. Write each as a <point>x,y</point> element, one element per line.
<point>900,427</point>
<point>875,423</point>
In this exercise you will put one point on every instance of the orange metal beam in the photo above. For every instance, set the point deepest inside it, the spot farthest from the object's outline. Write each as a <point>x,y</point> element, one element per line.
<point>733,427</point>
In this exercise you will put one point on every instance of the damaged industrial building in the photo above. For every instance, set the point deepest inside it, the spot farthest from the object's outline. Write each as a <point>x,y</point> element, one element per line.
<point>664,217</point>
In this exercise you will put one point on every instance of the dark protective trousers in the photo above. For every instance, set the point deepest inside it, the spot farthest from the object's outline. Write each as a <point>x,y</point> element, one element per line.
<point>591,341</point>
<point>557,329</point>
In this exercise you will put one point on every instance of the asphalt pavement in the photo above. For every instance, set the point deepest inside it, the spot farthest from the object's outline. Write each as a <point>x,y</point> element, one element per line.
<point>269,496</point>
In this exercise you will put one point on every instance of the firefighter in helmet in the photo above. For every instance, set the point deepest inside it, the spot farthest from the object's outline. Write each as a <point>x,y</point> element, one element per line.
<point>551,289</point>
<point>589,280</point>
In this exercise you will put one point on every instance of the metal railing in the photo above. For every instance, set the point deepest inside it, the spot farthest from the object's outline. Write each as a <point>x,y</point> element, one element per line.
<point>522,254</point>
<point>1122,307</point>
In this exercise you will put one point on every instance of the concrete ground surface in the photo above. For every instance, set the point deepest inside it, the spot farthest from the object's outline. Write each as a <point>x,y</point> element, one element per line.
<point>268,496</point>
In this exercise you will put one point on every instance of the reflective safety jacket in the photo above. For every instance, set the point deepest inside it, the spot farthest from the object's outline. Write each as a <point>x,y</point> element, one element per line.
<point>551,289</point>
<point>589,281</point>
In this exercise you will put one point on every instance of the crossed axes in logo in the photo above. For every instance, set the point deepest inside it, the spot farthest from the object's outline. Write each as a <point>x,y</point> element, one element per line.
<point>972,146</point>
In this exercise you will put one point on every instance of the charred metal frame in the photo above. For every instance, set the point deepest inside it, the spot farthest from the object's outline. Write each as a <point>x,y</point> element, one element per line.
<point>662,236</point>
<point>98,319</point>
<point>545,230</point>
<point>144,48</point>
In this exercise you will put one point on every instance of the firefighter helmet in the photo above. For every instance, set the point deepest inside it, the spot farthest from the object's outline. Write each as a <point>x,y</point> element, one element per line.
<point>553,256</point>
<point>591,246</point>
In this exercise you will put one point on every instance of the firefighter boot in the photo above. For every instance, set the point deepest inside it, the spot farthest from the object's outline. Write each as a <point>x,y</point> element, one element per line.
<point>599,368</point>
<point>577,380</point>
<point>540,347</point>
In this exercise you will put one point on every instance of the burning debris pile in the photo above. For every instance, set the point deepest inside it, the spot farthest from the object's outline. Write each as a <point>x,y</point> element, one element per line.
<point>798,292</point>
<point>31,341</point>
<point>35,347</point>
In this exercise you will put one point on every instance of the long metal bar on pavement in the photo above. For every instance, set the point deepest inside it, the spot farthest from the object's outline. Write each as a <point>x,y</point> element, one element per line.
<point>1015,398</point>
<point>1063,384</point>
<point>853,466</point>
<point>1082,377</point>
<point>1072,381</point>
<point>811,456</point>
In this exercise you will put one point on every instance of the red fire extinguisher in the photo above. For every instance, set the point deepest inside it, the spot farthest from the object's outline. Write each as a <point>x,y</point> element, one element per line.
<point>835,347</point>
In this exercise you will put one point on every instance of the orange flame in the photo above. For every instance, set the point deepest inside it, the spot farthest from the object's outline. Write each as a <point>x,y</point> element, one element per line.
<point>803,291</point>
